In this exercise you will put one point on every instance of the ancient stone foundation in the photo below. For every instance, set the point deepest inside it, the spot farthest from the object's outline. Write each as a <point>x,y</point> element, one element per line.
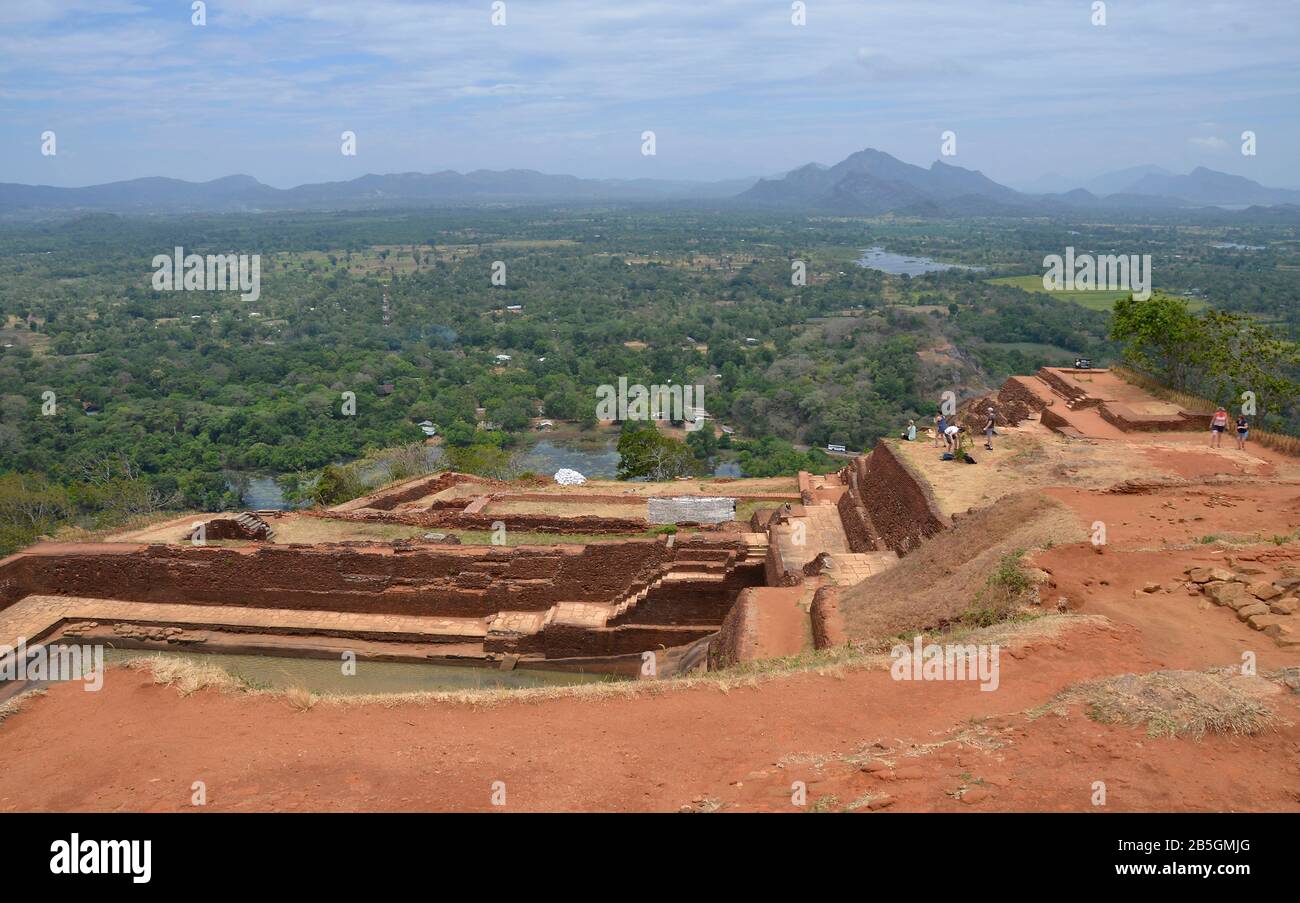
<point>599,599</point>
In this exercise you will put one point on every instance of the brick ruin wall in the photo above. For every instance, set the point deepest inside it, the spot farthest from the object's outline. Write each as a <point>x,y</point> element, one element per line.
<point>1013,404</point>
<point>230,528</point>
<point>1181,422</point>
<point>1017,396</point>
<point>901,508</point>
<point>827,622</point>
<point>1053,420</point>
<point>857,522</point>
<point>417,580</point>
<point>736,638</point>
<point>458,519</point>
<point>388,499</point>
<point>1072,393</point>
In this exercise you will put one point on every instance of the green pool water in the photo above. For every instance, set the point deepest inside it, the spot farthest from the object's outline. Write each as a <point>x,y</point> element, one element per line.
<point>326,675</point>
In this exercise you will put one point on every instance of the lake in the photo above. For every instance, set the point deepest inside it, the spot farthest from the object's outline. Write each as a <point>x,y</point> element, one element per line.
<point>902,265</point>
<point>594,457</point>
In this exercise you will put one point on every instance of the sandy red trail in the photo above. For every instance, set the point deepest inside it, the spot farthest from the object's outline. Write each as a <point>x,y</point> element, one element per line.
<point>138,746</point>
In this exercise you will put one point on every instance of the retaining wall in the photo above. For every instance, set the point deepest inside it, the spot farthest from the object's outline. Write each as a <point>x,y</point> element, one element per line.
<point>902,510</point>
<point>855,518</point>
<point>417,580</point>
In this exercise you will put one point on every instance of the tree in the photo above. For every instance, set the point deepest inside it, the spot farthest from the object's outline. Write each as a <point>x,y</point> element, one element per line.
<point>645,452</point>
<point>1160,336</point>
<point>484,461</point>
<point>336,484</point>
<point>703,442</point>
<point>1239,356</point>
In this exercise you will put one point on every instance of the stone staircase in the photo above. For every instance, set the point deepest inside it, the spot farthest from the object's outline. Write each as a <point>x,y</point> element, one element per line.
<point>689,565</point>
<point>256,526</point>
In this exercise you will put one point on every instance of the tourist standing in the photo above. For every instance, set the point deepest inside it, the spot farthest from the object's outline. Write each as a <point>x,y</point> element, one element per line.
<point>1217,426</point>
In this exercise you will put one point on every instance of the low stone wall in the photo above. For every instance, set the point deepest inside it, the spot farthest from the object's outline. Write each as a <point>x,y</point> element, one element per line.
<point>736,639</point>
<point>409,491</point>
<point>1053,420</point>
<point>1183,421</point>
<point>827,623</point>
<point>777,571</point>
<point>689,509</point>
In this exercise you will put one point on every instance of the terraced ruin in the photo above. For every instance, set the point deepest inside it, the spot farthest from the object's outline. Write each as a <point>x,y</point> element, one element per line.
<point>738,590</point>
<point>1200,564</point>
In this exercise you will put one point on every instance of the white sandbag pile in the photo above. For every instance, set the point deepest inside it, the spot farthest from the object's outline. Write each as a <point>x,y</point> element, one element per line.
<point>566,477</point>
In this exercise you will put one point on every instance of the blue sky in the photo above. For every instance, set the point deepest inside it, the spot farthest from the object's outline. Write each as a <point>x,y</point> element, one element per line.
<point>730,87</point>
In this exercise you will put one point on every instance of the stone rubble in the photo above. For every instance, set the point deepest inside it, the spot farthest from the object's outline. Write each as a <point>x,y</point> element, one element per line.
<point>1268,606</point>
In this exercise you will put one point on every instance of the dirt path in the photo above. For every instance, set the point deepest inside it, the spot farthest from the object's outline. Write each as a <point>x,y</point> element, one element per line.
<point>1182,515</point>
<point>138,746</point>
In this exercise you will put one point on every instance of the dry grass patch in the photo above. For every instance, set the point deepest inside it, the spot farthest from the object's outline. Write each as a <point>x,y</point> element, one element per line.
<point>299,699</point>
<point>15,704</point>
<point>188,676</point>
<point>1175,703</point>
<point>967,574</point>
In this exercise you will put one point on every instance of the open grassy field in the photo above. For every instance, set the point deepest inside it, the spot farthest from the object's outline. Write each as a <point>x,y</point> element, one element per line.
<point>1095,300</point>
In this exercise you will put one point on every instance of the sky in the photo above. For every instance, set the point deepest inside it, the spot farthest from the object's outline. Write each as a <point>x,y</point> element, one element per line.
<point>730,88</point>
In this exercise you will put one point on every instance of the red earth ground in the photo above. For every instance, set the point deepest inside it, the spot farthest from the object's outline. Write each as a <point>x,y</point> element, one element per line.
<point>139,746</point>
<point>927,745</point>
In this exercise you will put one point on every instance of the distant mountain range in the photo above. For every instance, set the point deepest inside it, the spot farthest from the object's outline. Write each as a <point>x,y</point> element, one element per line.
<point>871,182</point>
<point>868,182</point>
<point>412,189</point>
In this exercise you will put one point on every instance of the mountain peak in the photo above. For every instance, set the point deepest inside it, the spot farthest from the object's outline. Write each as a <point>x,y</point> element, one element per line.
<point>871,181</point>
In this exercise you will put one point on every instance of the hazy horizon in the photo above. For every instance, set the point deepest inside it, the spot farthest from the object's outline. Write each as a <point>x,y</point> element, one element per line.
<point>132,89</point>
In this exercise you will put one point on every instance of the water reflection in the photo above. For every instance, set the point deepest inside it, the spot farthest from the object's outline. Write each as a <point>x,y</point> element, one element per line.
<point>326,675</point>
<point>903,265</point>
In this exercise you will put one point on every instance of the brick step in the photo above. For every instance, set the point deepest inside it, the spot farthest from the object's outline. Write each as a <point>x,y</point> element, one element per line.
<point>693,577</point>
<point>703,566</point>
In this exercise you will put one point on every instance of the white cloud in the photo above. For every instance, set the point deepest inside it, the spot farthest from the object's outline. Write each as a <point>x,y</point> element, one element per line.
<point>1017,80</point>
